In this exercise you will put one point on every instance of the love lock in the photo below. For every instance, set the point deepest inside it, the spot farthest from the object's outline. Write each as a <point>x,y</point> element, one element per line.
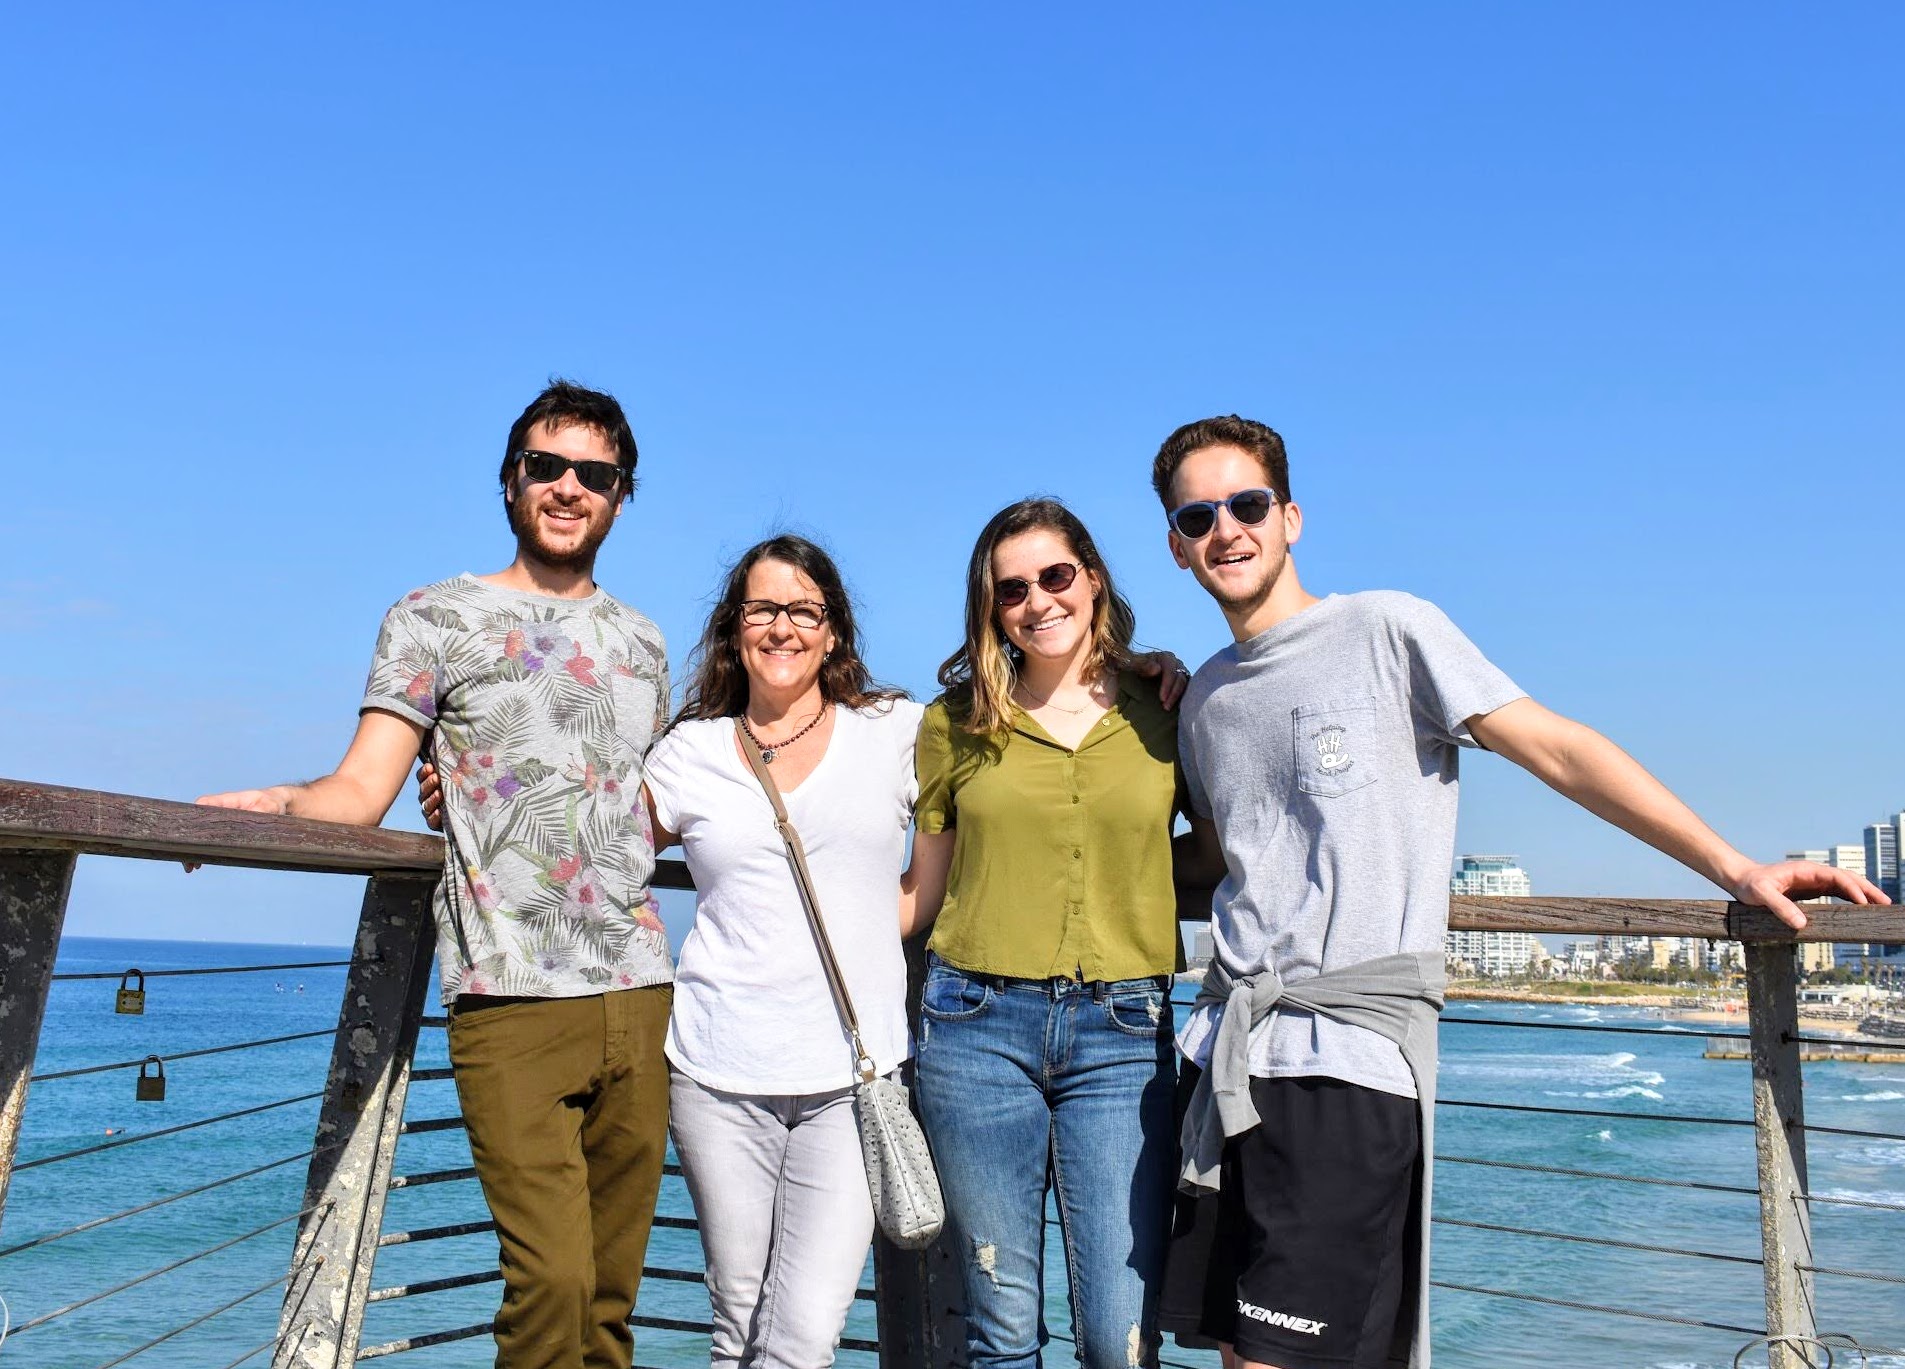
<point>131,1000</point>
<point>151,1086</point>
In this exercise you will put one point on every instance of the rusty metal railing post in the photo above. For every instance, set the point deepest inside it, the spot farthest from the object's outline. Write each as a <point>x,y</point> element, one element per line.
<point>33,890</point>
<point>1779,1128</point>
<point>358,1127</point>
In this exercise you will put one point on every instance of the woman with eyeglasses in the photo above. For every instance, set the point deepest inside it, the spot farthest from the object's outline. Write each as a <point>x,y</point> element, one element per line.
<point>1048,785</point>
<point>762,1074</point>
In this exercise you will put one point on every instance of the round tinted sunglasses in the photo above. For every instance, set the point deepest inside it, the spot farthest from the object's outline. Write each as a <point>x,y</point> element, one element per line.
<point>1011,591</point>
<point>1196,519</point>
<point>545,468</point>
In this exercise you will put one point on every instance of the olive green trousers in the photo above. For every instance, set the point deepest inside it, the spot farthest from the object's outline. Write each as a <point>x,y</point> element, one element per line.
<point>566,1100</point>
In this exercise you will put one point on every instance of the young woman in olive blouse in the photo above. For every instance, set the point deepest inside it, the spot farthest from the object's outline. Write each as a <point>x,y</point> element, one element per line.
<point>1048,785</point>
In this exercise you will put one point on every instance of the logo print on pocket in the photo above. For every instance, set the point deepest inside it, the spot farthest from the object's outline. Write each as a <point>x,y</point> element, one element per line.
<point>1330,755</point>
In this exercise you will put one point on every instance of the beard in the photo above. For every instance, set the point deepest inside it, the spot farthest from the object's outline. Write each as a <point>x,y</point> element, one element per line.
<point>1245,600</point>
<point>534,546</point>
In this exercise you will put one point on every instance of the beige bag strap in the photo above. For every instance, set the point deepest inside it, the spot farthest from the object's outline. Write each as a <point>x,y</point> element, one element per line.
<point>804,881</point>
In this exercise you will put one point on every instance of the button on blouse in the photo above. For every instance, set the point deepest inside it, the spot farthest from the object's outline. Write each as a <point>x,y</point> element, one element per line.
<point>1062,858</point>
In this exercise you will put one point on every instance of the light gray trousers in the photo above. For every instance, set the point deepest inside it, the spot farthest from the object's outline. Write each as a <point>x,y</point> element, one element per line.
<point>780,1189</point>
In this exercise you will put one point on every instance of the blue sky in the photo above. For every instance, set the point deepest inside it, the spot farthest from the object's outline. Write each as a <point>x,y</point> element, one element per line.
<point>1581,321</point>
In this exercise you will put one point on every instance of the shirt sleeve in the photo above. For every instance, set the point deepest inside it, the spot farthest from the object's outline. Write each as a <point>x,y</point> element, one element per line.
<point>935,809</point>
<point>661,693</point>
<point>1450,680</point>
<point>406,669</point>
<point>662,773</point>
<point>906,723</point>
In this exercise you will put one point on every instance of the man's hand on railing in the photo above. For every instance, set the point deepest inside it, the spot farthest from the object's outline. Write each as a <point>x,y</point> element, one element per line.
<point>430,796</point>
<point>1774,887</point>
<point>276,800</point>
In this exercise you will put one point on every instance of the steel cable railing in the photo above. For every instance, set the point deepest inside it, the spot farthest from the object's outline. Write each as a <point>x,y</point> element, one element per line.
<point>1573,1305</point>
<point>200,1320</point>
<point>97,1222</point>
<point>1607,1241</point>
<point>1566,1172</point>
<point>163,1131</point>
<point>203,970</point>
<point>182,1055</point>
<point>87,1301</point>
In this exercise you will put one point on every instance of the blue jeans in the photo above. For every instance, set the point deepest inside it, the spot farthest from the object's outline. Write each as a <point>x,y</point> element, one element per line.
<point>1021,1081</point>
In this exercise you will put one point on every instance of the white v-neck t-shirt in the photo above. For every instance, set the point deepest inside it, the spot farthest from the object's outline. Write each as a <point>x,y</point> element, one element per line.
<point>753,1013</point>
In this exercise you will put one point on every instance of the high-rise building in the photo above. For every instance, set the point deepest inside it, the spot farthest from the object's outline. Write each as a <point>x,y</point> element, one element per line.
<point>1818,857</point>
<point>1494,954</point>
<point>1490,877</point>
<point>1847,858</point>
<point>1881,856</point>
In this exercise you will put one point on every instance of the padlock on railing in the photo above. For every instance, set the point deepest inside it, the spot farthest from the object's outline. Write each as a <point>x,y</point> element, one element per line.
<point>131,1000</point>
<point>151,1086</point>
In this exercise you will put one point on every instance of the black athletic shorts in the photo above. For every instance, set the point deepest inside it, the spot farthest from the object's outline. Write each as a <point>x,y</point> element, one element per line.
<point>1304,1257</point>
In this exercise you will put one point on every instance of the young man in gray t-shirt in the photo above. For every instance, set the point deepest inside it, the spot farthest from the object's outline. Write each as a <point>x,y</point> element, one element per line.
<point>536,695</point>
<point>1323,743</point>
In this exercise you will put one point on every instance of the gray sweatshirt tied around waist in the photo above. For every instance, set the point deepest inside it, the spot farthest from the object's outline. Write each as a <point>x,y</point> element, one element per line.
<point>1399,996</point>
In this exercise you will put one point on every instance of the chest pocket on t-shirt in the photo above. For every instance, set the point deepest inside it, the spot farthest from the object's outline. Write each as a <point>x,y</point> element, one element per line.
<point>1335,747</point>
<point>634,711</point>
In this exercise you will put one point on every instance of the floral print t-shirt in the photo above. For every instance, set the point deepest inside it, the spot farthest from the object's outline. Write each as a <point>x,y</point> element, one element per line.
<point>540,711</point>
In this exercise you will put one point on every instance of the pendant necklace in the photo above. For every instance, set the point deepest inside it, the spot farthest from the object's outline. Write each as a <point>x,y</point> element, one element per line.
<point>769,752</point>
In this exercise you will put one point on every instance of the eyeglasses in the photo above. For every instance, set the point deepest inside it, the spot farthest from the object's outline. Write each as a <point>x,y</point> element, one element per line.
<point>1011,592</point>
<point>1195,520</point>
<point>762,612</point>
<point>545,468</point>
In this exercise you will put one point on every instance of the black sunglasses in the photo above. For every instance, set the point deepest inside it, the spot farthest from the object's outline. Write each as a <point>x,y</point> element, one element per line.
<point>545,468</point>
<point>1011,592</point>
<point>1195,520</point>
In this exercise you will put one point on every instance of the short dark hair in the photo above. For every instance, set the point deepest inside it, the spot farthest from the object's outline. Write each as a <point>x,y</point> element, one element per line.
<point>563,404</point>
<point>1228,430</point>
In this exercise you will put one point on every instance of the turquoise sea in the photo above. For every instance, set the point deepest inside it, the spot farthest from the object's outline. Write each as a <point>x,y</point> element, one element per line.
<point>1658,1072</point>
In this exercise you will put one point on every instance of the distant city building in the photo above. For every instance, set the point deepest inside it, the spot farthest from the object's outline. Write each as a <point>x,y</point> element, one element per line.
<point>1494,954</point>
<point>1490,877</point>
<point>1847,858</point>
<point>1817,956</point>
<point>1881,856</point>
<point>1818,857</point>
<point>1203,947</point>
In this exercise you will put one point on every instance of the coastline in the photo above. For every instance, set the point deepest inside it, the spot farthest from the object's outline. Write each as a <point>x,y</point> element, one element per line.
<point>1722,1010</point>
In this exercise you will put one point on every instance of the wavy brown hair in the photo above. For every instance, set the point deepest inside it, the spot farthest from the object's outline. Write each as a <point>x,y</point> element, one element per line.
<point>979,677</point>
<point>717,682</point>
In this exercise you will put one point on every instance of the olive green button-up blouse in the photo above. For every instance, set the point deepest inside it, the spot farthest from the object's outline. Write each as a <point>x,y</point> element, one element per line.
<point>1061,864</point>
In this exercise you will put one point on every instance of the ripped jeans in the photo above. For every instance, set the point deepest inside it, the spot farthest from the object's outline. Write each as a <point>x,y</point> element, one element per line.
<point>1022,1082</point>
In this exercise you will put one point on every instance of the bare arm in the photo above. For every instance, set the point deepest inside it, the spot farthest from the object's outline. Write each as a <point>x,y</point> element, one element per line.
<point>361,789</point>
<point>659,835</point>
<point>923,883</point>
<point>1197,857</point>
<point>1577,761</point>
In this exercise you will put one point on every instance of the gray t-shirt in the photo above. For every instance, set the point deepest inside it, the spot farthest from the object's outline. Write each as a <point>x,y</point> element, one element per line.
<point>540,711</point>
<point>1325,750</point>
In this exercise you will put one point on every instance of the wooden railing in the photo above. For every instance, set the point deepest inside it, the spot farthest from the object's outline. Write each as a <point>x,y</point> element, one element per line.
<point>44,830</point>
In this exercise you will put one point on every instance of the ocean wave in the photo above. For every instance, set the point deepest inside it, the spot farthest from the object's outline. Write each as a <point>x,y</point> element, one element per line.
<point>1866,1195</point>
<point>1613,1071</point>
<point>1624,1091</point>
<point>1604,1134</point>
<point>1882,1096</point>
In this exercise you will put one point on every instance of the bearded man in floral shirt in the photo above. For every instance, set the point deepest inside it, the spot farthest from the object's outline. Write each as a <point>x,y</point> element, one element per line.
<point>535,695</point>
